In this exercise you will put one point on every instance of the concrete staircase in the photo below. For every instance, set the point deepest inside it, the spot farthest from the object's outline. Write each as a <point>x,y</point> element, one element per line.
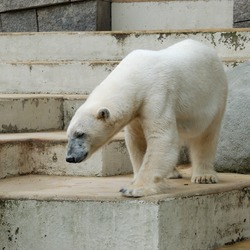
<point>42,89</point>
<point>45,77</point>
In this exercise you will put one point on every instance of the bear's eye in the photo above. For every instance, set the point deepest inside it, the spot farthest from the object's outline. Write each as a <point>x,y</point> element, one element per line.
<point>80,135</point>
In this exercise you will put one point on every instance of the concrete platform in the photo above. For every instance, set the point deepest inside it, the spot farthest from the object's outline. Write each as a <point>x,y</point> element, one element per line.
<point>48,212</point>
<point>45,153</point>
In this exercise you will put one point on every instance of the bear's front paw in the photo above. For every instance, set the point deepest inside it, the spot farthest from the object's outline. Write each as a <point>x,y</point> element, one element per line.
<point>205,179</point>
<point>132,192</point>
<point>144,190</point>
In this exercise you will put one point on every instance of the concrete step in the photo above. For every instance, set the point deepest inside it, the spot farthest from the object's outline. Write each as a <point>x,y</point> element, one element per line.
<point>175,14</point>
<point>78,46</point>
<point>48,212</point>
<point>45,153</point>
<point>63,77</point>
<point>60,77</point>
<point>37,112</point>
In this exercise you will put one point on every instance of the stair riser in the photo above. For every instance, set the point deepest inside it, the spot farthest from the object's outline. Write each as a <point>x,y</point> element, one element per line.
<point>52,77</point>
<point>69,108</point>
<point>37,113</point>
<point>114,45</point>
<point>60,78</point>
<point>48,157</point>
<point>22,115</point>
<point>211,220</point>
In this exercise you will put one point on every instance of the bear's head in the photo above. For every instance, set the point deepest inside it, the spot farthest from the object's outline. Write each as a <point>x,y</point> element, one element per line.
<point>88,130</point>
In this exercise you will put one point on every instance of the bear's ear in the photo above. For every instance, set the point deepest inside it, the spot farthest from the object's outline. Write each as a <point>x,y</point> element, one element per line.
<point>103,113</point>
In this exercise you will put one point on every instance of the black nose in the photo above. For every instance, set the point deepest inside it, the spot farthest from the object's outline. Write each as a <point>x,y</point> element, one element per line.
<point>71,159</point>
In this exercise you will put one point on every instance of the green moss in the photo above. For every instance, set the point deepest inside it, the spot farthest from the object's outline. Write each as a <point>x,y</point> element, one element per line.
<point>234,40</point>
<point>120,37</point>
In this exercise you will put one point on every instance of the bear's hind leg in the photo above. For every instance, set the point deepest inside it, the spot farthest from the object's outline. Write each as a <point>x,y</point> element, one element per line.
<point>202,151</point>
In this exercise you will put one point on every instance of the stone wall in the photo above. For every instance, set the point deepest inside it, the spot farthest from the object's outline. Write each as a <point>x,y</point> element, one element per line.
<point>54,15</point>
<point>241,13</point>
<point>76,15</point>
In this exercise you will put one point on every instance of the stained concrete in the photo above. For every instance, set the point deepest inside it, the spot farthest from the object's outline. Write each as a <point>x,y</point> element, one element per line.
<point>114,46</point>
<point>85,60</point>
<point>49,77</point>
<point>58,77</point>
<point>23,113</point>
<point>37,112</point>
<point>45,153</point>
<point>45,212</point>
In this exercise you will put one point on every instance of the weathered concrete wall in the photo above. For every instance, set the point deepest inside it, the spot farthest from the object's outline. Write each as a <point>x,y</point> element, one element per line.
<point>183,223</point>
<point>44,153</point>
<point>52,15</point>
<point>75,63</point>
<point>31,113</point>
<point>85,46</point>
<point>78,225</point>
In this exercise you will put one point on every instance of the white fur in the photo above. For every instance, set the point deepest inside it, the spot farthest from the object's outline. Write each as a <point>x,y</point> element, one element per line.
<point>162,97</point>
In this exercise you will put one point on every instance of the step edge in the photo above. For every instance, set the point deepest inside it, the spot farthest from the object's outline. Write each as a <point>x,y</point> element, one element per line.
<point>49,136</point>
<point>129,32</point>
<point>18,96</point>
<point>94,62</point>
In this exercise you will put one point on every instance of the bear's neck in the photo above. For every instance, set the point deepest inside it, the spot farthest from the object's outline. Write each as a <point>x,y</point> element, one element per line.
<point>121,98</point>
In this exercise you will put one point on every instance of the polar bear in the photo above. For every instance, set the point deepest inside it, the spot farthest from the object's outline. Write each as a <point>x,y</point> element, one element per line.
<point>162,98</point>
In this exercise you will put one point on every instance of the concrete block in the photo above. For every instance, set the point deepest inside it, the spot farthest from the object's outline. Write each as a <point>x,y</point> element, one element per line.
<point>45,153</point>
<point>22,113</point>
<point>234,143</point>
<point>48,212</point>
<point>78,16</point>
<point>20,21</point>
<point>167,15</point>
